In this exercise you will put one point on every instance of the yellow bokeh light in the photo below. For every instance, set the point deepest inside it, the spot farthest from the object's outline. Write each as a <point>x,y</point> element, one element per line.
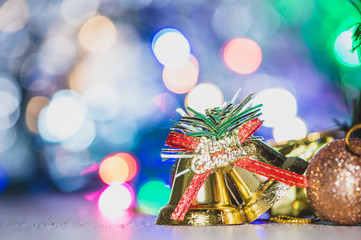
<point>33,110</point>
<point>14,14</point>
<point>87,74</point>
<point>98,34</point>
<point>96,69</point>
<point>204,96</point>
<point>182,80</point>
<point>296,204</point>
<point>84,75</point>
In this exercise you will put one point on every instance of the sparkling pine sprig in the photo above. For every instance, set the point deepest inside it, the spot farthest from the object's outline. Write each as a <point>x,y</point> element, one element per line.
<point>217,122</point>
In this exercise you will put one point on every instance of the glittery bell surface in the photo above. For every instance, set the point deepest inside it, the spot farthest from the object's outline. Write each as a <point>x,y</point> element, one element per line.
<point>295,202</point>
<point>230,195</point>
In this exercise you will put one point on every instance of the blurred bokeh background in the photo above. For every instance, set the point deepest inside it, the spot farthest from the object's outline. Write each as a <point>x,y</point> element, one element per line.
<point>88,87</point>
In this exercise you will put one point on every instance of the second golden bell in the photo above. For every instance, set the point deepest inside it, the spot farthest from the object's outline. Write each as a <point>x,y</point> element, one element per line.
<point>230,195</point>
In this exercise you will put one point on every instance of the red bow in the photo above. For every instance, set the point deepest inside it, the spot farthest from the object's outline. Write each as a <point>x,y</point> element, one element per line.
<point>189,144</point>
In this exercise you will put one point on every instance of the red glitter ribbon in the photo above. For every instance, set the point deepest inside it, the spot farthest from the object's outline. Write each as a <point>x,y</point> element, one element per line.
<point>275,173</point>
<point>247,129</point>
<point>187,143</point>
<point>182,142</point>
<point>189,195</point>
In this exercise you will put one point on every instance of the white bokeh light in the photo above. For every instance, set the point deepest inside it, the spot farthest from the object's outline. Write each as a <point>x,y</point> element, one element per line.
<point>171,48</point>
<point>63,117</point>
<point>57,54</point>
<point>8,138</point>
<point>82,139</point>
<point>103,102</point>
<point>10,96</point>
<point>114,200</point>
<point>278,105</point>
<point>204,96</point>
<point>9,103</point>
<point>14,14</point>
<point>76,12</point>
<point>292,129</point>
<point>342,48</point>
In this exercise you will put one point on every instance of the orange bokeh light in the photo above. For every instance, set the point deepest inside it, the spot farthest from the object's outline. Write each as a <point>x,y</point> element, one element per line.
<point>98,34</point>
<point>184,79</point>
<point>242,55</point>
<point>35,105</point>
<point>120,167</point>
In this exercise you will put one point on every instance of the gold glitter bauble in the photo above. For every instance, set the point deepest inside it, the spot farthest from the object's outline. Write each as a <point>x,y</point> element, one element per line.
<point>334,183</point>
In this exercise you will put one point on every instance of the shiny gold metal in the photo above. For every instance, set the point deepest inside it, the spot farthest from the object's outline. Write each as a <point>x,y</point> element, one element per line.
<point>352,147</point>
<point>230,195</point>
<point>295,202</point>
<point>292,220</point>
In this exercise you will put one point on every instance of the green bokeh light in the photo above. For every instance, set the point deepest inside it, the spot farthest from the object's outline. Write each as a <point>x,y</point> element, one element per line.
<point>337,8</point>
<point>317,33</point>
<point>351,79</point>
<point>328,19</point>
<point>295,12</point>
<point>342,49</point>
<point>152,196</point>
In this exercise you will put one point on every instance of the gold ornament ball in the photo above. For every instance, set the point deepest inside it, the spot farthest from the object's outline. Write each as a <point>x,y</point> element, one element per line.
<point>334,183</point>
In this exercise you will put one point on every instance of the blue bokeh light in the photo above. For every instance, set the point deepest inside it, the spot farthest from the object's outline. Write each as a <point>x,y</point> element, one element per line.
<point>4,180</point>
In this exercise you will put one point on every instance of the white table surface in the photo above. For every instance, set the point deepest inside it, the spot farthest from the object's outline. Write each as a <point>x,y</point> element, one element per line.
<point>73,217</point>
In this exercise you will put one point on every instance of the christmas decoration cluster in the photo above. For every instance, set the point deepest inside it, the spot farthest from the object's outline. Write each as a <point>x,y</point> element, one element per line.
<point>225,175</point>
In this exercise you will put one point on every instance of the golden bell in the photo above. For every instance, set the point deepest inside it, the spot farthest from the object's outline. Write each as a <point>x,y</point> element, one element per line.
<point>230,195</point>
<point>295,202</point>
